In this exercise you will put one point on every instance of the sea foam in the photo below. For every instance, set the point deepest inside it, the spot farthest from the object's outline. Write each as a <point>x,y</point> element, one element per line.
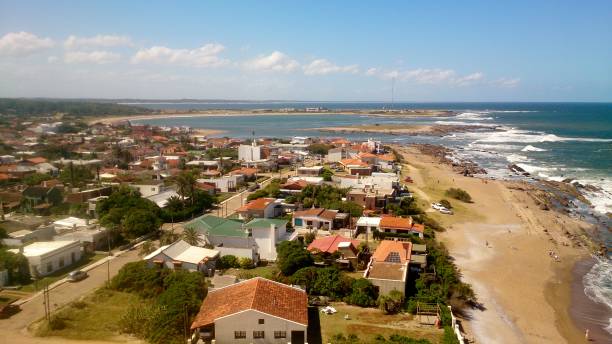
<point>530,148</point>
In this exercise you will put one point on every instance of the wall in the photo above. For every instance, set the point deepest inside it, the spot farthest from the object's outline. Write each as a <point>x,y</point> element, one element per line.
<point>40,262</point>
<point>248,321</point>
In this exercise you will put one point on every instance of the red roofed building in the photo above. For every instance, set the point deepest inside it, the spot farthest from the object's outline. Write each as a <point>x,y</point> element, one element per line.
<point>314,218</point>
<point>253,311</point>
<point>258,208</point>
<point>330,244</point>
<point>389,266</point>
<point>392,224</point>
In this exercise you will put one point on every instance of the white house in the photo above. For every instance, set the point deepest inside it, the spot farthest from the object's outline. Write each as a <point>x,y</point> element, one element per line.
<point>267,234</point>
<point>46,257</point>
<point>257,310</point>
<point>250,152</point>
<point>149,187</point>
<point>181,255</point>
<point>224,183</point>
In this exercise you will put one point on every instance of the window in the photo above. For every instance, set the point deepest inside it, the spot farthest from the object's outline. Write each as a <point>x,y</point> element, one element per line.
<point>49,267</point>
<point>239,334</point>
<point>280,334</point>
<point>61,262</point>
<point>261,321</point>
<point>298,222</point>
<point>308,223</point>
<point>258,334</point>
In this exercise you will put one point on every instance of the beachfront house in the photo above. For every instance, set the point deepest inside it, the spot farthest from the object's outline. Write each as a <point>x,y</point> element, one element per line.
<point>260,208</point>
<point>314,219</point>
<point>46,257</point>
<point>389,266</point>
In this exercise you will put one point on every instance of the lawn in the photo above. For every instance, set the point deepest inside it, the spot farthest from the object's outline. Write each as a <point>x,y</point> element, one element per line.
<point>59,274</point>
<point>261,271</point>
<point>94,317</point>
<point>367,323</point>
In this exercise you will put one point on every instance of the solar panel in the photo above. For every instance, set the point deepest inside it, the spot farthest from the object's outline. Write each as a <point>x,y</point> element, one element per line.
<point>393,257</point>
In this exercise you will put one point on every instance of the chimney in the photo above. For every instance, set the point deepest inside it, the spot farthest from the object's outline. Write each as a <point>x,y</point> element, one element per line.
<point>272,238</point>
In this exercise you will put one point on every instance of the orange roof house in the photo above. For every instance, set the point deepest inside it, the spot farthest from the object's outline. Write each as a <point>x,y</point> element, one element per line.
<point>252,309</point>
<point>258,208</point>
<point>314,218</point>
<point>392,224</point>
<point>388,267</point>
<point>330,244</point>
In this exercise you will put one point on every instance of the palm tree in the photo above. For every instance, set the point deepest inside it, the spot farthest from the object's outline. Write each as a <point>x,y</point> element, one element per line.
<point>174,204</point>
<point>186,182</point>
<point>191,236</point>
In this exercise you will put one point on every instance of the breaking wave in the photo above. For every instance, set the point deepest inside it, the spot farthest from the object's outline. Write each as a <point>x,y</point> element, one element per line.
<point>530,148</point>
<point>598,284</point>
<point>517,135</point>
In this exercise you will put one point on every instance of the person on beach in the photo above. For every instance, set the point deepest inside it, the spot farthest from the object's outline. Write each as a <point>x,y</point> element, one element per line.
<point>586,334</point>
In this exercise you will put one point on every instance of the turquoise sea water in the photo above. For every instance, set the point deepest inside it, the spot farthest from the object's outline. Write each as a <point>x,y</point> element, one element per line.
<point>550,140</point>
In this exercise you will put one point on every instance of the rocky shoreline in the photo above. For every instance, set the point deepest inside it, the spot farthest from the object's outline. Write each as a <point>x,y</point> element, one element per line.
<point>437,130</point>
<point>445,156</point>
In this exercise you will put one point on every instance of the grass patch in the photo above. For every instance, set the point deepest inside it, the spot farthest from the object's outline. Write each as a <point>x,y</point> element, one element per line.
<point>367,323</point>
<point>6,300</point>
<point>59,274</point>
<point>268,271</point>
<point>94,317</point>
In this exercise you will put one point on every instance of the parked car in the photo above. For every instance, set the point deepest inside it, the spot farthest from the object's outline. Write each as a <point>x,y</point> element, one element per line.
<point>437,206</point>
<point>77,275</point>
<point>445,211</point>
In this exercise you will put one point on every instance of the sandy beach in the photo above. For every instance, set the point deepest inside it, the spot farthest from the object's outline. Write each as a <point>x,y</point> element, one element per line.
<point>263,112</point>
<point>501,243</point>
<point>411,129</point>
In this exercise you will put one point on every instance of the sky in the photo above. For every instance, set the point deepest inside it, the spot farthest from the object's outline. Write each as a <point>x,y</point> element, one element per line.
<point>306,50</point>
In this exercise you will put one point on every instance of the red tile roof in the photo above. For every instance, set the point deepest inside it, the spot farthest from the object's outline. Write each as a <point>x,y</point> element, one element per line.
<point>330,244</point>
<point>256,204</point>
<point>37,160</point>
<point>386,247</point>
<point>396,222</point>
<point>353,162</point>
<point>259,294</point>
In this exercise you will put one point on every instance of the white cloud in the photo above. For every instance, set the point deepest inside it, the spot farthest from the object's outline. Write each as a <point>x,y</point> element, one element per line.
<point>469,79</point>
<point>507,82</point>
<point>428,76</point>
<point>98,57</point>
<point>52,59</point>
<point>324,67</point>
<point>205,56</point>
<point>276,61</point>
<point>23,43</point>
<point>97,41</point>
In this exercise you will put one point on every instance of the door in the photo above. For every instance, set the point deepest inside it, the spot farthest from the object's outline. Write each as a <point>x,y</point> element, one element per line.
<point>297,337</point>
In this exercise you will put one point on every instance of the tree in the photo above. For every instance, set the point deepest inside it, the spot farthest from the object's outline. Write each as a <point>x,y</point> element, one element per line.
<point>75,175</point>
<point>146,248</point>
<point>139,222</point>
<point>292,256</point>
<point>392,302</point>
<point>318,148</point>
<point>246,263</point>
<point>327,174</point>
<point>123,210</point>
<point>191,236</point>
<point>407,207</point>
<point>363,293</point>
<point>186,182</point>
<point>36,178</point>
<point>17,266</point>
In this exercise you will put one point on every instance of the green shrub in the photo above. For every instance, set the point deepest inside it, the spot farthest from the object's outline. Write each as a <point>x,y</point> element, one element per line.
<point>228,262</point>
<point>246,263</point>
<point>292,256</point>
<point>446,204</point>
<point>363,293</point>
<point>459,194</point>
<point>391,303</point>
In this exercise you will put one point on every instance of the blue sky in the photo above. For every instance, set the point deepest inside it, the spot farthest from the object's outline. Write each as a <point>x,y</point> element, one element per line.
<point>305,50</point>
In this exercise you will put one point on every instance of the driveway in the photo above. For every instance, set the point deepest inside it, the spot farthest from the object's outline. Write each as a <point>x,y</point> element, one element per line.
<point>14,329</point>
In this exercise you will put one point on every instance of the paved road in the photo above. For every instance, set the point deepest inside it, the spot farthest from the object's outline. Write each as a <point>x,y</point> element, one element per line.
<point>14,329</point>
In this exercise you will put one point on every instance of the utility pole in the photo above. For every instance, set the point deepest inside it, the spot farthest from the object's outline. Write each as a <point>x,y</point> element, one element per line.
<point>46,302</point>
<point>108,259</point>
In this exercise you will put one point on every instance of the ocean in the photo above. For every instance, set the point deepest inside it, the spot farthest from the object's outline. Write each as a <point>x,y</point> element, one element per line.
<point>552,141</point>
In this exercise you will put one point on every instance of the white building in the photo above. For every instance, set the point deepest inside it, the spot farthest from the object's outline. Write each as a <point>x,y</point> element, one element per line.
<point>46,257</point>
<point>250,152</point>
<point>254,311</point>
<point>224,183</point>
<point>149,187</point>
<point>181,255</point>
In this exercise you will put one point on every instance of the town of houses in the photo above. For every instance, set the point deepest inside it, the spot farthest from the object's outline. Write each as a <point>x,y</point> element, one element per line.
<point>55,178</point>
